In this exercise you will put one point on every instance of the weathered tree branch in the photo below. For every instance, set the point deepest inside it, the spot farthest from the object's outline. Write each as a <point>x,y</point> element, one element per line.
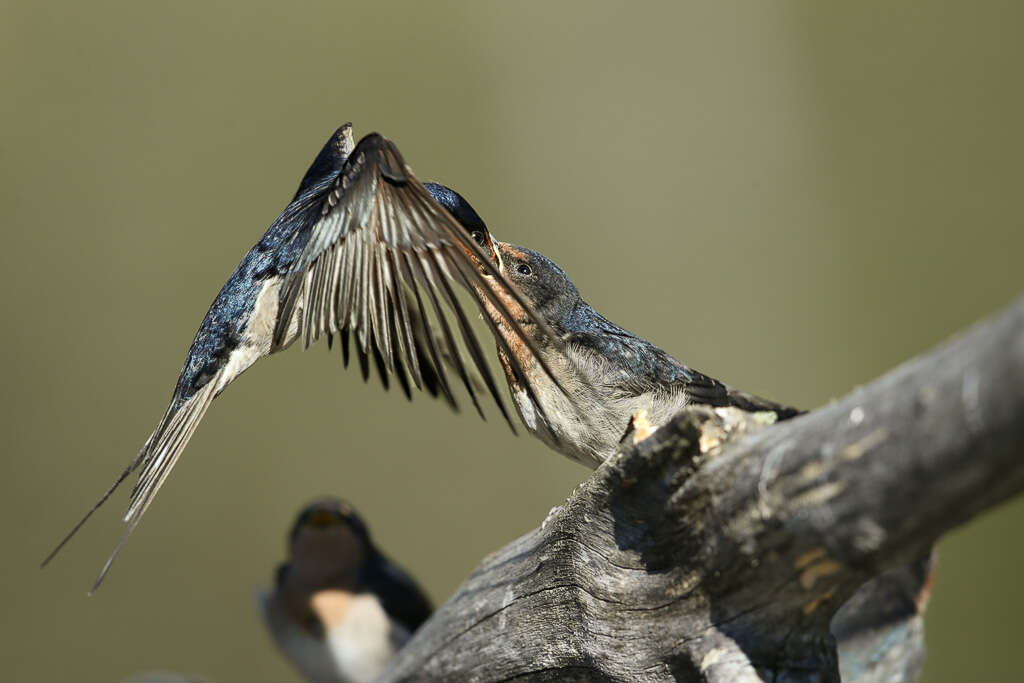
<point>714,550</point>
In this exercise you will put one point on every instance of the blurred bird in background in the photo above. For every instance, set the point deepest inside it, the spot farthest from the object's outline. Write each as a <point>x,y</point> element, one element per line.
<point>363,249</point>
<point>340,610</point>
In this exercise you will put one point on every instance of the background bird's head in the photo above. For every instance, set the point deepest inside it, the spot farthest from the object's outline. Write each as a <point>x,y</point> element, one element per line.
<point>329,544</point>
<point>546,287</point>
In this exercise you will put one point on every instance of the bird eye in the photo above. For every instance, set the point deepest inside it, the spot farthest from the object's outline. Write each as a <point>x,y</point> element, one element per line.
<point>478,237</point>
<point>524,269</point>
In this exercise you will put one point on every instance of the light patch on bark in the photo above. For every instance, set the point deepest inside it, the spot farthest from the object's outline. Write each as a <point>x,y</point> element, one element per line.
<point>810,576</point>
<point>865,444</point>
<point>819,494</point>
<point>817,602</point>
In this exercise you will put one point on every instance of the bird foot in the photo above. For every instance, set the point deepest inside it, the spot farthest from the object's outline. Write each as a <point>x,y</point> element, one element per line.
<point>639,428</point>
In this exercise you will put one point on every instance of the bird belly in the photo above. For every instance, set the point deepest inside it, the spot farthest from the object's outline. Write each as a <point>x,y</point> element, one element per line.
<point>257,337</point>
<point>569,424</point>
<point>564,433</point>
<point>588,424</point>
<point>309,654</point>
<point>363,640</point>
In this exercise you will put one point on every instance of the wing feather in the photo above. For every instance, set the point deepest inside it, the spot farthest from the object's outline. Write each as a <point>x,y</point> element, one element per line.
<point>424,268</point>
<point>504,345</point>
<point>469,339</point>
<point>401,321</point>
<point>415,264</point>
<point>354,253</point>
<point>381,235</point>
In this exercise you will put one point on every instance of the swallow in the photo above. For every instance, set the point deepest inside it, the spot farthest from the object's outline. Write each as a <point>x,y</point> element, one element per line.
<point>340,609</point>
<point>363,249</point>
<point>606,376</point>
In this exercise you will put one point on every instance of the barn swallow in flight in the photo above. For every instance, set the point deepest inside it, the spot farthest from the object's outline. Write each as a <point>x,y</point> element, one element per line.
<point>340,609</point>
<point>362,248</point>
<point>605,375</point>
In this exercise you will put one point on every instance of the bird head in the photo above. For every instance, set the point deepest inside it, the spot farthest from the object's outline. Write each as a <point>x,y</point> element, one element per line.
<point>467,217</point>
<point>545,286</point>
<point>329,544</point>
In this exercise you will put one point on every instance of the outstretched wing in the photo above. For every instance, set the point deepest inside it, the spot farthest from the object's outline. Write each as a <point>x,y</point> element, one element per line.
<point>381,256</point>
<point>361,248</point>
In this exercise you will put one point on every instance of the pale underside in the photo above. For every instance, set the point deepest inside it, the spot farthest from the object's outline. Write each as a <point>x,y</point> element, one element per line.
<point>587,422</point>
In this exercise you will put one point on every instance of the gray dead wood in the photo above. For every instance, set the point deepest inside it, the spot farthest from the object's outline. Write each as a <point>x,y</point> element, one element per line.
<point>716,550</point>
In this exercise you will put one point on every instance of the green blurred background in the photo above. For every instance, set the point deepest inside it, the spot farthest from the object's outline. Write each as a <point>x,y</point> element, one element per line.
<point>794,197</point>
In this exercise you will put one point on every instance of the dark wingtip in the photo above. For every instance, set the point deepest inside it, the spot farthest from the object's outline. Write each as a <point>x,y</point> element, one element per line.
<point>389,161</point>
<point>433,379</point>
<point>329,160</point>
<point>106,569</point>
<point>110,560</point>
<point>382,368</point>
<point>364,364</point>
<point>344,334</point>
<point>403,379</point>
<point>751,403</point>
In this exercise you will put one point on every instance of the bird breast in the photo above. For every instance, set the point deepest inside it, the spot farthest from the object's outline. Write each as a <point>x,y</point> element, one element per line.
<point>587,422</point>
<point>256,339</point>
<point>360,635</point>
